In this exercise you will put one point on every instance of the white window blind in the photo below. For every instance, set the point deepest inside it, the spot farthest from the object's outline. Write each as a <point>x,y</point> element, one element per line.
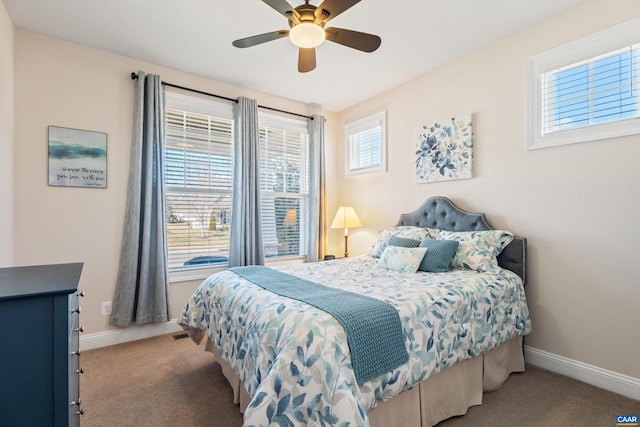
<point>597,90</point>
<point>198,178</point>
<point>365,144</point>
<point>365,148</point>
<point>284,184</point>
<point>587,89</point>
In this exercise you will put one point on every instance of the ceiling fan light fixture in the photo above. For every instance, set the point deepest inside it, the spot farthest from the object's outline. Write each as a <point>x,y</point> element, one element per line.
<point>306,23</point>
<point>307,35</point>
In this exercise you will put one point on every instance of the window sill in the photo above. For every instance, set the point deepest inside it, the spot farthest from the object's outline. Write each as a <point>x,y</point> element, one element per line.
<point>586,134</point>
<point>193,273</point>
<point>179,275</point>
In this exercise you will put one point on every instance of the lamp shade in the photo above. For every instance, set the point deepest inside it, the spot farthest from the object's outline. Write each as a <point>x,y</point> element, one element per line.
<point>290,217</point>
<point>346,218</point>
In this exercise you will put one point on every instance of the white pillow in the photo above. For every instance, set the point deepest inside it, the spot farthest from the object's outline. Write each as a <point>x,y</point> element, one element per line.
<point>477,250</point>
<point>406,260</point>
<point>406,231</point>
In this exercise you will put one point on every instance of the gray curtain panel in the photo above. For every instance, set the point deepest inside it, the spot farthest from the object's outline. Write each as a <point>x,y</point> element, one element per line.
<point>142,289</point>
<point>317,196</point>
<point>246,247</point>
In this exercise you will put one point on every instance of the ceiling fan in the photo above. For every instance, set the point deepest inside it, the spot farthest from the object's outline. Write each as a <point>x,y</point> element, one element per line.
<point>307,30</point>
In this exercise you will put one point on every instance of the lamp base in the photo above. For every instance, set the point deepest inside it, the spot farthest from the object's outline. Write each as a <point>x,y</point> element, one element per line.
<point>346,246</point>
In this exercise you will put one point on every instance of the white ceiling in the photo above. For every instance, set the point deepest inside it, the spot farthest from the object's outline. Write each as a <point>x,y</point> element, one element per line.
<point>195,36</point>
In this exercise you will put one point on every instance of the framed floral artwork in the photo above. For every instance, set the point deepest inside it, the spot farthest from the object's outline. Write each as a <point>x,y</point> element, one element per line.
<point>445,150</point>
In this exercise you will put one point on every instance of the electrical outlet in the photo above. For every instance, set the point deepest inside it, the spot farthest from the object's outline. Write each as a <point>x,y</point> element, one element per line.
<point>106,308</point>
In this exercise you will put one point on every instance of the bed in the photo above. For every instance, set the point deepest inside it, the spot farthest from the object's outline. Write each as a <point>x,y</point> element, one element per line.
<point>291,363</point>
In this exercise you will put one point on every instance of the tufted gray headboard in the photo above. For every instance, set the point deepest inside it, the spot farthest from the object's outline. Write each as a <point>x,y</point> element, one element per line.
<point>440,212</point>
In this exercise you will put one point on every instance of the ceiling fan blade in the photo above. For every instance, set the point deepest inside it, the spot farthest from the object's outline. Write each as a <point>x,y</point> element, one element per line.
<point>281,6</point>
<point>353,39</point>
<point>260,38</point>
<point>334,7</point>
<point>306,59</point>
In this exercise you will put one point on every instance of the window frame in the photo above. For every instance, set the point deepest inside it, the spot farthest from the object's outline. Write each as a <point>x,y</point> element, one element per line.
<point>364,124</point>
<point>590,47</point>
<point>193,103</point>
<point>278,122</point>
<point>196,104</point>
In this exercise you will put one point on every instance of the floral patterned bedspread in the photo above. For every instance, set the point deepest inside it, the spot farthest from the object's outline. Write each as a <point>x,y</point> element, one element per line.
<point>294,359</point>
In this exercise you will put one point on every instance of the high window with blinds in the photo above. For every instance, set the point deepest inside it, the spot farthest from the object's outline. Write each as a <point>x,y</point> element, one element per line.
<point>198,178</point>
<point>598,90</point>
<point>365,145</point>
<point>587,89</point>
<point>284,185</point>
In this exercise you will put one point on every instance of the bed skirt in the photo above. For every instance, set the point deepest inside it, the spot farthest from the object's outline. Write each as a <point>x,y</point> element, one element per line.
<point>444,395</point>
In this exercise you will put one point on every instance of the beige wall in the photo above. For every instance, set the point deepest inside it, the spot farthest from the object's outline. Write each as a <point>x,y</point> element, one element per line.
<point>63,84</point>
<point>578,205</point>
<point>6,139</point>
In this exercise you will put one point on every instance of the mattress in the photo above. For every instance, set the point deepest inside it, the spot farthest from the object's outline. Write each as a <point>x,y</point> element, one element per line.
<point>293,360</point>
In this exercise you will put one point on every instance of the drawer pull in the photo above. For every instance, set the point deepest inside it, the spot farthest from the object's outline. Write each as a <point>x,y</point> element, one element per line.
<point>80,412</point>
<point>75,353</point>
<point>76,402</point>
<point>80,329</point>
<point>77,310</point>
<point>80,371</point>
<point>81,294</point>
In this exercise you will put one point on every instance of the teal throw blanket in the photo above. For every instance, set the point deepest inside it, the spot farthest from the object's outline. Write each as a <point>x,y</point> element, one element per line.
<point>373,327</point>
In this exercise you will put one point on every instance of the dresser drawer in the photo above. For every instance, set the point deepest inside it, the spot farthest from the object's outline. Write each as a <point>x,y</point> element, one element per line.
<point>74,312</point>
<point>75,367</point>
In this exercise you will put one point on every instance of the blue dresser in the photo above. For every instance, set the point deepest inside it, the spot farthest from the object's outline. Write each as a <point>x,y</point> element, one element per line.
<point>39,355</point>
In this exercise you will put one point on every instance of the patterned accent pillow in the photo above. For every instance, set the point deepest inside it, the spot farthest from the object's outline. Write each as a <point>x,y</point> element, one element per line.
<point>403,242</point>
<point>405,260</point>
<point>477,250</point>
<point>439,255</point>
<point>407,231</point>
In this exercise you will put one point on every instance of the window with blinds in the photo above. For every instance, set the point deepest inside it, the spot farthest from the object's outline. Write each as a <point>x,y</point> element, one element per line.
<point>365,145</point>
<point>587,89</point>
<point>284,185</point>
<point>198,178</point>
<point>597,90</point>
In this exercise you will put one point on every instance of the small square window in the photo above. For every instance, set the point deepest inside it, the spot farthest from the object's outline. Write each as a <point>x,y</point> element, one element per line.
<point>365,145</point>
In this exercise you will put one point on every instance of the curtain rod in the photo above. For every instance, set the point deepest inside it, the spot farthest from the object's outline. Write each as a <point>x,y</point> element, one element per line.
<point>134,76</point>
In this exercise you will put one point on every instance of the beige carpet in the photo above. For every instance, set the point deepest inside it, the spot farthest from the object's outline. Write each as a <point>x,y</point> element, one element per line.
<point>166,382</point>
<point>155,382</point>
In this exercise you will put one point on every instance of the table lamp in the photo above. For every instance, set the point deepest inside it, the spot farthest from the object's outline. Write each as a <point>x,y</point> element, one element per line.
<point>346,218</point>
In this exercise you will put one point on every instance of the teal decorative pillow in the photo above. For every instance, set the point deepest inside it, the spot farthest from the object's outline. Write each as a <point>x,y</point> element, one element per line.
<point>403,242</point>
<point>477,250</point>
<point>407,231</point>
<point>439,255</point>
<point>405,260</point>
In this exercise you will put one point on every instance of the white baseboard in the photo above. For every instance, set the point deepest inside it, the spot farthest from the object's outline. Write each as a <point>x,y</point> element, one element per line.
<point>603,378</point>
<point>134,333</point>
